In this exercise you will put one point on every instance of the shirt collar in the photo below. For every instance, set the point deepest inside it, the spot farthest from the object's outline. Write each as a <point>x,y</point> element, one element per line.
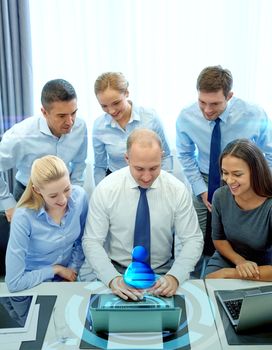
<point>44,127</point>
<point>224,116</point>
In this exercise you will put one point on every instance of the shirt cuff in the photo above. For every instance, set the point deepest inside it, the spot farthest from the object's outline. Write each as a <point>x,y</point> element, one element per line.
<point>181,277</point>
<point>199,187</point>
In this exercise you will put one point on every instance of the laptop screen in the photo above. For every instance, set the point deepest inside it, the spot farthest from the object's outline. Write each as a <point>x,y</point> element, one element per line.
<point>152,314</point>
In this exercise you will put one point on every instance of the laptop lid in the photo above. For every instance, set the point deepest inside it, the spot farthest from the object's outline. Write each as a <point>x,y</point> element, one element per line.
<point>109,313</point>
<point>256,307</point>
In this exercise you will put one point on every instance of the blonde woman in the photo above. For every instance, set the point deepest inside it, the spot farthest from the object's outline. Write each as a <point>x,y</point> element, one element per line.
<point>110,130</point>
<point>46,230</point>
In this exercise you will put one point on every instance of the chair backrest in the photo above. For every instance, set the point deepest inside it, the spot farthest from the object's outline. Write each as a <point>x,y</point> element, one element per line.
<point>4,237</point>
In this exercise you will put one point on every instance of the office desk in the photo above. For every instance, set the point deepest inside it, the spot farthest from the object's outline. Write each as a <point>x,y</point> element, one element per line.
<point>217,284</point>
<point>73,300</point>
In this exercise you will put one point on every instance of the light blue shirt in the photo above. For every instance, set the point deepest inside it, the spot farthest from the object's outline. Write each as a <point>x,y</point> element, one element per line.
<point>32,139</point>
<point>37,242</point>
<point>109,140</point>
<point>193,136</point>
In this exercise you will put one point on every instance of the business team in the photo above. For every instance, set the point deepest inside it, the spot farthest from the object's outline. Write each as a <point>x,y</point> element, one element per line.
<point>49,153</point>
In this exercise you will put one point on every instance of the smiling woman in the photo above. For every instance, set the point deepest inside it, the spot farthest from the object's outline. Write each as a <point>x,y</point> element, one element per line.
<point>242,215</point>
<point>121,117</point>
<point>47,227</point>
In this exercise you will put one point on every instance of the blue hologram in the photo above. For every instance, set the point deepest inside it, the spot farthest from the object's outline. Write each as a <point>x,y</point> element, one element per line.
<point>139,274</point>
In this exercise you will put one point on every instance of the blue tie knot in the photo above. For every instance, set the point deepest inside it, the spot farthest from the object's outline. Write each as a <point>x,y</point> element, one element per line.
<point>142,190</point>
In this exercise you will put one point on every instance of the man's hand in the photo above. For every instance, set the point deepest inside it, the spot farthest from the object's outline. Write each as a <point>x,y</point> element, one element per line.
<point>9,213</point>
<point>204,197</point>
<point>66,273</point>
<point>120,288</point>
<point>165,286</point>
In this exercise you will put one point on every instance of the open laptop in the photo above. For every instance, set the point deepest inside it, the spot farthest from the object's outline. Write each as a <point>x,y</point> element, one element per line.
<point>247,308</point>
<point>109,313</point>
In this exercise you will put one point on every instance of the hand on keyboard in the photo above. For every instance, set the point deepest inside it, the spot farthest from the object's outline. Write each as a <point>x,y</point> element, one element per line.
<point>165,286</point>
<point>120,288</point>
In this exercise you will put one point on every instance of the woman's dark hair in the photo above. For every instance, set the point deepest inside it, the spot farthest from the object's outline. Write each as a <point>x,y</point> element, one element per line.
<point>260,174</point>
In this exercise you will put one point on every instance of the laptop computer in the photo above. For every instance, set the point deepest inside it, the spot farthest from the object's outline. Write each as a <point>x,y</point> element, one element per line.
<point>247,308</point>
<point>109,313</point>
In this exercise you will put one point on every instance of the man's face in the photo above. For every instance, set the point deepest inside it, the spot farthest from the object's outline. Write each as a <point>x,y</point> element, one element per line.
<point>60,116</point>
<point>144,163</point>
<point>212,104</point>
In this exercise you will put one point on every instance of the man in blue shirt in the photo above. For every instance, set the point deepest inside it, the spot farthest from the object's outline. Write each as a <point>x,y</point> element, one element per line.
<point>194,126</point>
<point>57,132</point>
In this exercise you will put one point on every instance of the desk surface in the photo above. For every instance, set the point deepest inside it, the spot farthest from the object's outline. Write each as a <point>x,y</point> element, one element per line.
<point>219,284</point>
<point>73,300</point>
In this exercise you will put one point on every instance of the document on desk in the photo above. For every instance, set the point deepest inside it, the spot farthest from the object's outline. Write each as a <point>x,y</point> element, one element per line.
<point>30,334</point>
<point>135,341</point>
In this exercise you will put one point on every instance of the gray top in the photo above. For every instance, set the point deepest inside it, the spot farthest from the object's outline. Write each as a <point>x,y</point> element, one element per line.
<point>248,231</point>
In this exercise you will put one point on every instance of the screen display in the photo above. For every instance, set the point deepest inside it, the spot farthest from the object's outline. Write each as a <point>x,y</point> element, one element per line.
<point>15,312</point>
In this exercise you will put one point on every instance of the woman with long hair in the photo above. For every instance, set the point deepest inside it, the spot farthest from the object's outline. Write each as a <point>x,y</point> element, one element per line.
<point>242,215</point>
<point>47,227</point>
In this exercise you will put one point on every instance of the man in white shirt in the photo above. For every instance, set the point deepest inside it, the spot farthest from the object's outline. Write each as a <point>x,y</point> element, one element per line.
<point>111,220</point>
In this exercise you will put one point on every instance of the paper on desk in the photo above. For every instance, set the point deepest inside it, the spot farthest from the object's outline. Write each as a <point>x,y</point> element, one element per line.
<point>152,340</point>
<point>30,334</point>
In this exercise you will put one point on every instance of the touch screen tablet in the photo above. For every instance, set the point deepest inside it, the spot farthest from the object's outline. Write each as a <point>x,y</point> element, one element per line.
<point>16,312</point>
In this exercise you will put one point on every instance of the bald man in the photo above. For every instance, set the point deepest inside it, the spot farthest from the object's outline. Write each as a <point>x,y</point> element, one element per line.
<point>112,214</point>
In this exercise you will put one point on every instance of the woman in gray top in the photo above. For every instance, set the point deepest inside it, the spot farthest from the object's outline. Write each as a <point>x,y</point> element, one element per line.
<point>242,215</point>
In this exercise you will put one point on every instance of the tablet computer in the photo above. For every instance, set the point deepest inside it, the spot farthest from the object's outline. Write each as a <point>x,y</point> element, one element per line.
<point>16,312</point>
<point>109,313</point>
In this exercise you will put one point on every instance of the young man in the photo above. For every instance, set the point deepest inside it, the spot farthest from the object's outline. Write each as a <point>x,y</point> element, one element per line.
<point>112,217</point>
<point>195,124</point>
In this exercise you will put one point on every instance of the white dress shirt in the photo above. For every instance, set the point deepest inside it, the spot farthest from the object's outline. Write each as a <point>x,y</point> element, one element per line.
<point>111,221</point>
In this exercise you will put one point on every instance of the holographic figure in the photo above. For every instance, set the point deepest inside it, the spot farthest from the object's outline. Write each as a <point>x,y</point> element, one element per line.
<point>139,274</point>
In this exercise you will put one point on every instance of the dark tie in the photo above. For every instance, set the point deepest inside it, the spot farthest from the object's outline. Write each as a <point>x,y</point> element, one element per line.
<point>142,224</point>
<point>214,171</point>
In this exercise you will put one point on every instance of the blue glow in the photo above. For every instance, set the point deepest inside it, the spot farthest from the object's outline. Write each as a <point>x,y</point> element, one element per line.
<point>139,274</point>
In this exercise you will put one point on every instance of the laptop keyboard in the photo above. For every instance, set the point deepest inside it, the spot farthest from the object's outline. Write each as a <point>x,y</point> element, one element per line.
<point>234,307</point>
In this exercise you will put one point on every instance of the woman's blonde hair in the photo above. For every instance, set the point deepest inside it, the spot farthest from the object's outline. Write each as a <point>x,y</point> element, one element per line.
<point>112,80</point>
<point>43,171</point>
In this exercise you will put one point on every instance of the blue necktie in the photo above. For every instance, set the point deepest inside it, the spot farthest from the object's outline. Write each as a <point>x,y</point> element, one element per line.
<point>214,171</point>
<point>142,224</point>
